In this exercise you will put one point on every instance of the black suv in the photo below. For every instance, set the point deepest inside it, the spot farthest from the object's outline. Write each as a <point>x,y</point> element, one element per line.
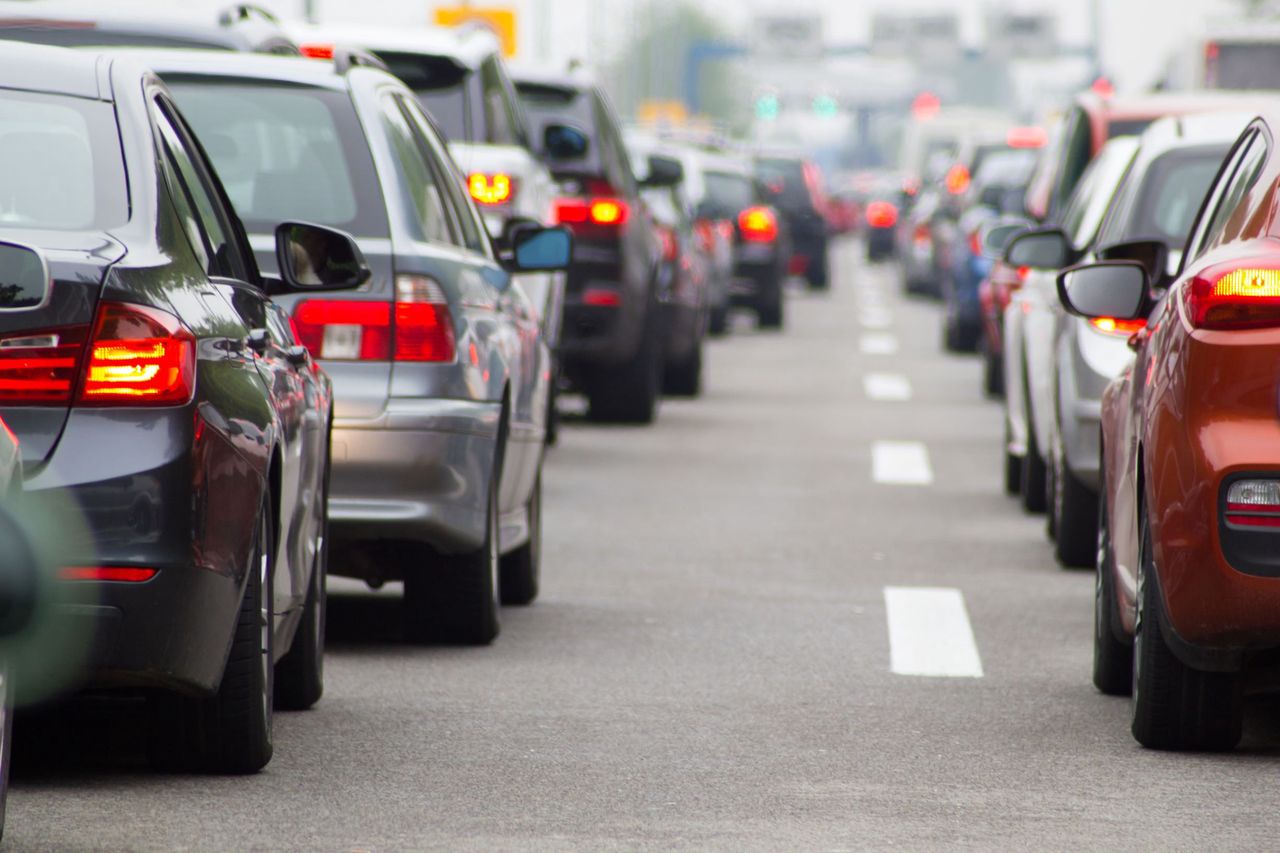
<point>240,27</point>
<point>613,336</point>
<point>793,186</point>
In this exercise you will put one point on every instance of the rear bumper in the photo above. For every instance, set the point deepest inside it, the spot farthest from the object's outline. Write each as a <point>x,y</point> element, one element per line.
<point>417,473</point>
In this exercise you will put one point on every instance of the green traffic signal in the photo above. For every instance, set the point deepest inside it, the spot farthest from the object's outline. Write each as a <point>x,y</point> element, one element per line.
<point>826,106</point>
<point>767,107</point>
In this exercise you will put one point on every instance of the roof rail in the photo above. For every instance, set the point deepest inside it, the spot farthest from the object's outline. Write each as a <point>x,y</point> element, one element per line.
<point>243,12</point>
<point>346,58</point>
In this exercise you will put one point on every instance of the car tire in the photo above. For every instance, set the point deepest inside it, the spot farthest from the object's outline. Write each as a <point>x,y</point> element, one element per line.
<point>769,312</point>
<point>231,731</point>
<point>1034,476</point>
<point>454,599</point>
<point>818,275</point>
<point>684,379</point>
<point>1012,466</point>
<point>1174,706</point>
<point>520,571</point>
<point>718,322</point>
<point>553,409</point>
<point>630,392</point>
<point>1075,508</point>
<point>300,673</point>
<point>992,371</point>
<point>1112,652</point>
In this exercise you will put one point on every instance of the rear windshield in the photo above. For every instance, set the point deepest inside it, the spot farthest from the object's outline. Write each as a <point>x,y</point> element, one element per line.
<point>441,87</point>
<point>1010,167</point>
<point>286,152</point>
<point>728,194</point>
<point>1127,127</point>
<point>60,164</point>
<point>546,105</point>
<point>1164,203</point>
<point>784,181</point>
<point>1243,66</point>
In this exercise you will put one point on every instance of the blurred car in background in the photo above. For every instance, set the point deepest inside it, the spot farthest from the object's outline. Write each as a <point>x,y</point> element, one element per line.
<point>881,200</point>
<point>1238,55</point>
<point>994,295</point>
<point>461,80</point>
<point>612,341</point>
<point>240,27</point>
<point>793,188</point>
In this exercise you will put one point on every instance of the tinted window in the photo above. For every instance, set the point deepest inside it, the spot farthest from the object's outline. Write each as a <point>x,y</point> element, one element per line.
<point>286,152</point>
<point>427,209</point>
<point>441,87</point>
<point>1164,203</point>
<point>546,104</point>
<point>728,194</point>
<point>464,213</point>
<point>1242,66</point>
<point>1088,204</point>
<point>60,164</point>
<point>784,182</point>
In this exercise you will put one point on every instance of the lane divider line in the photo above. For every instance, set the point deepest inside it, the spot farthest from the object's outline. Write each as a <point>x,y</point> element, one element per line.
<point>930,634</point>
<point>900,463</point>
<point>886,387</point>
<point>875,318</point>
<point>878,344</point>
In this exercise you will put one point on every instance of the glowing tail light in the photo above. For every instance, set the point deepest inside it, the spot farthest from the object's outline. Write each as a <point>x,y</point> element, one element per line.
<point>1254,503</point>
<point>119,574</point>
<point>418,327</point>
<point>316,51</point>
<point>138,356</point>
<point>975,243</point>
<point>881,214</point>
<point>1119,327</point>
<point>1027,137</point>
<point>921,234</point>
<point>605,212</point>
<point>706,233</point>
<point>758,225</point>
<point>1241,298</point>
<point>957,179</point>
<point>670,246</point>
<point>39,367</point>
<point>496,188</point>
<point>424,326</point>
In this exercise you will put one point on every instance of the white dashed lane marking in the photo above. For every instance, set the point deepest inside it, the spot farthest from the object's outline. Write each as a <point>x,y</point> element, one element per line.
<point>886,387</point>
<point>878,344</point>
<point>875,318</point>
<point>930,634</point>
<point>900,463</point>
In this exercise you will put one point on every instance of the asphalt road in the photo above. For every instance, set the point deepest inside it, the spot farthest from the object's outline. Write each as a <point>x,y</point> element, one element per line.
<point>711,665</point>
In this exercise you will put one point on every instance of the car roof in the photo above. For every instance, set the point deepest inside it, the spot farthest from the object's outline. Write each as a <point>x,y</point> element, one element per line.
<point>241,26</point>
<point>568,79</point>
<point>282,69</point>
<point>468,46</point>
<point>1158,104</point>
<point>57,70</point>
<point>1195,129</point>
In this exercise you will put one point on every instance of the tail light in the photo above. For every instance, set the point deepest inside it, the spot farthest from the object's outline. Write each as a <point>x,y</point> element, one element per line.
<point>881,214</point>
<point>418,327</point>
<point>1116,326</point>
<point>975,243</point>
<point>957,179</point>
<point>1239,298</point>
<point>921,234</point>
<point>706,234</point>
<point>495,188</point>
<point>1254,503</point>
<point>316,51</point>
<point>606,212</point>
<point>670,246</point>
<point>725,228</point>
<point>758,225</point>
<point>126,574</point>
<point>1027,137</point>
<point>40,366</point>
<point>138,356</point>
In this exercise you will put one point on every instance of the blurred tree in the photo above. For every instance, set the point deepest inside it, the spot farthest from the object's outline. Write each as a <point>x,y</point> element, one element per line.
<point>652,66</point>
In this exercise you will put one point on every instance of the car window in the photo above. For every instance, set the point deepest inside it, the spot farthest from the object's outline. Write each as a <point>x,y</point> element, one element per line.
<point>428,211</point>
<point>1088,204</point>
<point>500,118</point>
<point>728,193</point>
<point>613,153</point>
<point>461,209</point>
<point>222,257</point>
<point>1210,206</point>
<point>1077,151</point>
<point>1246,174</point>
<point>1163,201</point>
<point>286,152</point>
<point>440,85</point>
<point>60,164</point>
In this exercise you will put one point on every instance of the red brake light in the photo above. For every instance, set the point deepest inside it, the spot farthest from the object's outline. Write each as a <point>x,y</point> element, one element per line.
<point>1115,326</point>
<point>424,327</point>
<point>1240,298</point>
<point>127,574</point>
<point>316,51</point>
<point>608,212</point>
<point>40,366</point>
<point>921,234</point>
<point>419,329</point>
<point>138,356</point>
<point>758,225</point>
<point>670,246</point>
<point>881,214</point>
<point>975,243</point>
<point>1027,137</point>
<point>497,188</point>
<point>957,179</point>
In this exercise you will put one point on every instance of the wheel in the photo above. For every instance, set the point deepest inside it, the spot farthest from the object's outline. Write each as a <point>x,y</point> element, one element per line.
<point>1012,466</point>
<point>952,336</point>
<point>231,731</point>
<point>1033,479</point>
<point>992,370</point>
<point>520,570</point>
<point>817,273</point>
<point>769,304</point>
<point>1112,651</point>
<point>1075,508</point>
<point>629,392</point>
<point>1173,705</point>
<point>718,323</point>
<point>685,378</point>
<point>454,599</point>
<point>300,673</point>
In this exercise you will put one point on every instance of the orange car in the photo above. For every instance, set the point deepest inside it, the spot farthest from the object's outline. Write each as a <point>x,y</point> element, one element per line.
<point>1188,582</point>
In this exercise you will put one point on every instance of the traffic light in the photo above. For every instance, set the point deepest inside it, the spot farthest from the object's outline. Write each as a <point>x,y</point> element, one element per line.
<point>767,107</point>
<point>826,106</point>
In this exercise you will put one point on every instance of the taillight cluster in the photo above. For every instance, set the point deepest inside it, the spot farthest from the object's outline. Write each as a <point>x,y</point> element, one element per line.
<point>1117,326</point>
<point>881,214</point>
<point>606,212</point>
<point>132,355</point>
<point>758,225</point>
<point>417,327</point>
<point>491,188</point>
<point>1234,298</point>
<point>669,244</point>
<point>1254,503</point>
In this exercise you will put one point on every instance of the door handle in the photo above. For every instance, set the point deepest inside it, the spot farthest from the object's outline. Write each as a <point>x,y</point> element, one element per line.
<point>258,340</point>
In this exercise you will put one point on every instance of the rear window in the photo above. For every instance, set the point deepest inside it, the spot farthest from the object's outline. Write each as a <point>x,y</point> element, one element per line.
<point>60,164</point>
<point>286,152</point>
<point>1165,202</point>
<point>784,181</point>
<point>1242,65</point>
<point>728,194</point>
<point>547,104</point>
<point>441,87</point>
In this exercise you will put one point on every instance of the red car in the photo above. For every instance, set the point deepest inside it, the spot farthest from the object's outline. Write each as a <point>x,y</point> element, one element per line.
<point>1188,582</point>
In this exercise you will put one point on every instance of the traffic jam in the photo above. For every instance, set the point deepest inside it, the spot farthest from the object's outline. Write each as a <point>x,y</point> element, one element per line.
<point>738,429</point>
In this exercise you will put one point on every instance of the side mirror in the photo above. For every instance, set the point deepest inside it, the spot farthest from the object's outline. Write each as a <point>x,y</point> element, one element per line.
<point>663,172</point>
<point>317,258</point>
<point>996,236</point>
<point>1152,254</point>
<point>24,279</point>
<point>563,142</point>
<point>1040,248</point>
<point>1115,289</point>
<point>540,249</point>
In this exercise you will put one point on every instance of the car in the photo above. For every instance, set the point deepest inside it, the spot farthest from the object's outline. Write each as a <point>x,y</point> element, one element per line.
<point>439,370</point>
<point>239,27</point>
<point>1239,54</point>
<point>1188,585</point>
<point>612,343</point>
<point>995,292</point>
<point>1158,198</point>
<point>158,386</point>
<point>460,79</point>
<point>793,188</point>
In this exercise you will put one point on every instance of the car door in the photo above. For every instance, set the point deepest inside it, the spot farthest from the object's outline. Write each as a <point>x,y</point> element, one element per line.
<point>233,275</point>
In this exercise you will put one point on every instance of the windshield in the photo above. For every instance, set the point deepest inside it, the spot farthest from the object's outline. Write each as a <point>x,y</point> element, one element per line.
<point>1166,201</point>
<point>286,152</point>
<point>728,194</point>
<point>60,164</point>
<point>441,87</point>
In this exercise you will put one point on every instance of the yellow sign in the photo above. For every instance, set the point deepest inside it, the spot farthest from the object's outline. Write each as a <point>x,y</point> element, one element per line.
<point>662,113</point>
<point>501,21</point>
